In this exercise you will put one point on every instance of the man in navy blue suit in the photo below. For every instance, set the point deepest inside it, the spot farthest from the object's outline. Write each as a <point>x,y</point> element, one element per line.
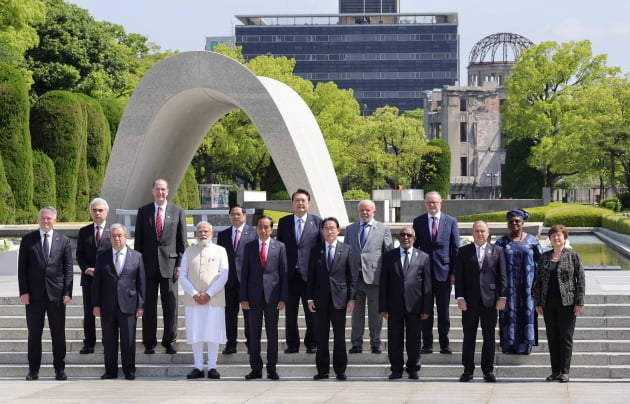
<point>263,293</point>
<point>234,239</point>
<point>299,232</point>
<point>118,291</point>
<point>480,289</point>
<point>45,281</point>
<point>437,234</point>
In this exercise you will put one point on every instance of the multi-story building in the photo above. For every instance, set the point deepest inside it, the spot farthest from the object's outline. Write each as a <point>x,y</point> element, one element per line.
<point>387,58</point>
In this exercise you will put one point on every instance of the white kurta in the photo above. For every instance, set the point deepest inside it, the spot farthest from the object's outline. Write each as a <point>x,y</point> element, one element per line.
<point>205,323</point>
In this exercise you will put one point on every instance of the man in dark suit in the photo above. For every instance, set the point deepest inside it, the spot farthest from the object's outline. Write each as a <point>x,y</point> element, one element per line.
<point>161,239</point>
<point>331,294</point>
<point>234,239</point>
<point>263,293</point>
<point>480,289</point>
<point>300,232</point>
<point>370,239</point>
<point>437,234</point>
<point>118,299</point>
<point>45,282</point>
<point>92,238</point>
<point>404,299</point>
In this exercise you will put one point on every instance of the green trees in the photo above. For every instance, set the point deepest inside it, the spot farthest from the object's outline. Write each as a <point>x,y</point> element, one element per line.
<point>17,34</point>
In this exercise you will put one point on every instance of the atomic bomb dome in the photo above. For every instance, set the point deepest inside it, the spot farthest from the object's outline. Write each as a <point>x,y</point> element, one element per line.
<point>492,58</point>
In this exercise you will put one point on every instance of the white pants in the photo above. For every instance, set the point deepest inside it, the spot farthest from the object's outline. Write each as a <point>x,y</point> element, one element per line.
<point>213,353</point>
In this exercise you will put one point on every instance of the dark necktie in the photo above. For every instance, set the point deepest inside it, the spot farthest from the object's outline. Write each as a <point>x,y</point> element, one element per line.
<point>364,234</point>
<point>406,263</point>
<point>99,234</point>
<point>331,257</point>
<point>237,238</point>
<point>434,229</point>
<point>46,247</point>
<point>263,255</point>
<point>158,223</point>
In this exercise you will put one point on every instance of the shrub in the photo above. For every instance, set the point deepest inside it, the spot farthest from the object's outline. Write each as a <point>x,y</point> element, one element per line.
<point>624,198</point>
<point>113,111</point>
<point>620,224</point>
<point>611,203</point>
<point>44,191</point>
<point>7,203</point>
<point>355,195</point>
<point>280,196</point>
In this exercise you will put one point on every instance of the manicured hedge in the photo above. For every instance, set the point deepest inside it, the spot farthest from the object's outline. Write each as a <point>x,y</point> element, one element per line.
<point>113,110</point>
<point>15,141</point>
<point>45,189</point>
<point>99,145</point>
<point>7,203</point>
<point>620,224</point>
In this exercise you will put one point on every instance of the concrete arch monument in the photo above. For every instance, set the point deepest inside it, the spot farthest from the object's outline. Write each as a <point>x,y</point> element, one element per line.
<point>178,101</point>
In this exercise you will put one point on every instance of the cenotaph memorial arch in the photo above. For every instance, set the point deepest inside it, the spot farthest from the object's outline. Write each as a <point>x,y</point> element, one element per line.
<point>178,101</point>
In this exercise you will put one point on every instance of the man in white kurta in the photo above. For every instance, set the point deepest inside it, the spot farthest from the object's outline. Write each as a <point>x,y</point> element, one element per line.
<point>204,272</point>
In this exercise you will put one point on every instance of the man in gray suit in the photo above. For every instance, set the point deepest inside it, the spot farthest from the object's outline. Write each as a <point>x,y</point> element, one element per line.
<point>369,239</point>
<point>161,239</point>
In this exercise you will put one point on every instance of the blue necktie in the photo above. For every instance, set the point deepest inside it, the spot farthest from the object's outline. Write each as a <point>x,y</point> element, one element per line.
<point>46,247</point>
<point>364,234</point>
<point>331,257</point>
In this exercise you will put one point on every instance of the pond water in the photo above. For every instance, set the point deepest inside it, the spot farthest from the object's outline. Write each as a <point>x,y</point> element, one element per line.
<point>593,251</point>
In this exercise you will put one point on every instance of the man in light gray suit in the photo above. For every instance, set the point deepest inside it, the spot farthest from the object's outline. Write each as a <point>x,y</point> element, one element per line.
<point>370,239</point>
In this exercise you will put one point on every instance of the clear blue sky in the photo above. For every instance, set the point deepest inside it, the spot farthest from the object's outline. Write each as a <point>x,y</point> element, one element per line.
<point>184,24</point>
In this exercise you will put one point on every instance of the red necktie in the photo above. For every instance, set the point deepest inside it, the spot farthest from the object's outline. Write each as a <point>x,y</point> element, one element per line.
<point>263,255</point>
<point>158,223</point>
<point>434,229</point>
<point>98,235</point>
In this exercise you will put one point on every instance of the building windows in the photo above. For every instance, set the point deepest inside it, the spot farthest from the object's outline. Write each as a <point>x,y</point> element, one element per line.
<point>463,135</point>
<point>463,164</point>
<point>462,104</point>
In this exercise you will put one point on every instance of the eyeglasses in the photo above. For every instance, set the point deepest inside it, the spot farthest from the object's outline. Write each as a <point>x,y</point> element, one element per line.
<point>406,235</point>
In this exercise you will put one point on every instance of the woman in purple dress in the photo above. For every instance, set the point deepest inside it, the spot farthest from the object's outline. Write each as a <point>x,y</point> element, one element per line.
<point>518,323</point>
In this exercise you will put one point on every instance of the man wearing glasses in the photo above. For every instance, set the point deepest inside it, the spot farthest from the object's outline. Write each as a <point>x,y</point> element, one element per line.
<point>437,234</point>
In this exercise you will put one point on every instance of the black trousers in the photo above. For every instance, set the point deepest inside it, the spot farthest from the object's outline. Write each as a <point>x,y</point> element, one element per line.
<point>442,296</point>
<point>271,314</point>
<point>297,289</point>
<point>400,326</point>
<point>471,318</point>
<point>168,295</point>
<point>89,322</point>
<point>559,324</point>
<point>326,316</point>
<point>36,311</point>
<point>114,324</point>
<point>232,307</point>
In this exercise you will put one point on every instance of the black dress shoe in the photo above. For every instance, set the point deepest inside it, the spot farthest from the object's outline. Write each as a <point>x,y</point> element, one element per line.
<point>106,376</point>
<point>291,350</point>
<point>446,351</point>
<point>213,374</point>
<point>376,350</point>
<point>311,350</point>
<point>355,349</point>
<point>86,350</point>
<point>61,375</point>
<point>395,375</point>
<point>229,351</point>
<point>130,376</point>
<point>552,377</point>
<point>170,349</point>
<point>149,350</point>
<point>563,378</point>
<point>32,375</point>
<point>273,375</point>
<point>426,350</point>
<point>195,374</point>
<point>320,376</point>
<point>490,377</point>
<point>413,374</point>
<point>466,377</point>
<point>254,374</point>
<point>341,376</point>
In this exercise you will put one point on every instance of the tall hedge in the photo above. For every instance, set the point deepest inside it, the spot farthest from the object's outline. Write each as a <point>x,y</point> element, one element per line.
<point>99,145</point>
<point>113,110</point>
<point>45,189</point>
<point>7,203</point>
<point>58,129</point>
<point>187,195</point>
<point>15,141</point>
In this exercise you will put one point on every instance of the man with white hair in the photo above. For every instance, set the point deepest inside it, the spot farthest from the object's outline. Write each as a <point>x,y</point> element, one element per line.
<point>204,272</point>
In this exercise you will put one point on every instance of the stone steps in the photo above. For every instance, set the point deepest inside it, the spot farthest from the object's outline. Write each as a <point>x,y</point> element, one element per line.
<point>601,349</point>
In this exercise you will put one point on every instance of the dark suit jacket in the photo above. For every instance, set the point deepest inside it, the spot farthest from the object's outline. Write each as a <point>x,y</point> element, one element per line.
<point>480,285</point>
<point>235,258</point>
<point>87,248</point>
<point>161,257</point>
<point>110,290</point>
<point>338,283</point>
<point>40,279</point>
<point>298,255</point>
<point>400,292</point>
<point>264,285</point>
<point>443,252</point>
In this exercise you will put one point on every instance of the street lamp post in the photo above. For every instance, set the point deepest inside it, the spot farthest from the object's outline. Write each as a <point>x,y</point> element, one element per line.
<point>492,177</point>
